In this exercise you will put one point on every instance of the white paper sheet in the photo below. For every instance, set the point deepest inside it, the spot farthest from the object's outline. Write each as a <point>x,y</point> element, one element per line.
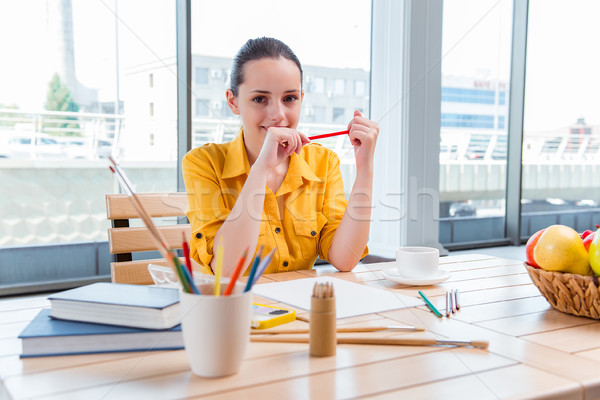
<point>351,298</point>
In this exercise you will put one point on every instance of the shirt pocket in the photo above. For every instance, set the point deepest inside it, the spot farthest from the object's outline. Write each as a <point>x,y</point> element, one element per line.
<point>308,232</point>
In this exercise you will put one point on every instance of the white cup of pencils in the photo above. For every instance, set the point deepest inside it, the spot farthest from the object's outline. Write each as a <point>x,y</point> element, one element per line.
<point>216,315</point>
<point>215,329</point>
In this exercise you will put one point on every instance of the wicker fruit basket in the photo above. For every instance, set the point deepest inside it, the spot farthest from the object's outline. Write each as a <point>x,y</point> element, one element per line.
<point>570,293</point>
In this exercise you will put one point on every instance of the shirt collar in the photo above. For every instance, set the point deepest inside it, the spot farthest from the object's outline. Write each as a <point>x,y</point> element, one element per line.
<point>298,170</point>
<point>236,161</point>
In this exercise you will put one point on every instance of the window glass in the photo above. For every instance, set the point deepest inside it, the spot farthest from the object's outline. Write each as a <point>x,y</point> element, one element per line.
<point>336,52</point>
<point>319,114</point>
<point>85,81</point>
<point>360,88</point>
<point>339,86</point>
<point>318,85</point>
<point>561,135</point>
<point>202,107</point>
<point>201,76</point>
<point>338,114</point>
<point>476,40</point>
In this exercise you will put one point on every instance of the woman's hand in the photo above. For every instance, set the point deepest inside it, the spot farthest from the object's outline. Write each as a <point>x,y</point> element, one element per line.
<point>279,144</point>
<point>363,135</point>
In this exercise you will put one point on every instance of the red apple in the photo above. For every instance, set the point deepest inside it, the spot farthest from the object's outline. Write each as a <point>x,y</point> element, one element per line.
<point>585,233</point>
<point>587,240</point>
<point>531,245</point>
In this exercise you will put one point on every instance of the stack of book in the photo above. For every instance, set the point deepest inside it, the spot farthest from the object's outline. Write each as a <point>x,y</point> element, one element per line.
<point>105,317</point>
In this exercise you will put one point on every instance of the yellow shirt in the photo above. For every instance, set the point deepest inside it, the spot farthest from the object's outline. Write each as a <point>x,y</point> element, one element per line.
<point>312,193</point>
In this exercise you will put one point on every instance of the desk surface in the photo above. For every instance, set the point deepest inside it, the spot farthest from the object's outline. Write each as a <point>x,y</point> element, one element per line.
<point>534,351</point>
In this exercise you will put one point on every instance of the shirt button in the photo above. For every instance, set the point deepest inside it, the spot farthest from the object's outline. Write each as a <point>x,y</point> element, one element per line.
<point>285,263</point>
<point>277,230</point>
<point>313,233</point>
<point>198,235</point>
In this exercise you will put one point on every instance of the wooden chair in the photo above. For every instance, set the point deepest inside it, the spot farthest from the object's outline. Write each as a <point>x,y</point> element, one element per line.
<point>123,239</point>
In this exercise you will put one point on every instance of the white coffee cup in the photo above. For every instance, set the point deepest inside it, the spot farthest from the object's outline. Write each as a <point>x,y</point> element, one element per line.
<point>215,329</point>
<point>416,262</point>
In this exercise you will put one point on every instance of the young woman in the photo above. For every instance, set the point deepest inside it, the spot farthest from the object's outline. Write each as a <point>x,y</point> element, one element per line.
<point>270,186</point>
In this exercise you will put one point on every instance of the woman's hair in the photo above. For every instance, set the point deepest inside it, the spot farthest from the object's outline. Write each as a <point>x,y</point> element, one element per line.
<point>256,49</point>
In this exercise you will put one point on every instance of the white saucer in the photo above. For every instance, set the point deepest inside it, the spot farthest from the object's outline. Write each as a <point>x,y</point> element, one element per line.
<point>393,275</point>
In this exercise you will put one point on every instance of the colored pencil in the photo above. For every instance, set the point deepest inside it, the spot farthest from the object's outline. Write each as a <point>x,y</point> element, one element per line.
<point>448,303</point>
<point>457,299</point>
<point>377,340</point>
<point>397,328</point>
<point>326,135</point>
<point>236,273</point>
<point>186,254</point>
<point>219,267</point>
<point>264,264</point>
<point>431,306</point>
<point>453,300</point>
<point>180,271</point>
<point>187,278</point>
<point>253,270</point>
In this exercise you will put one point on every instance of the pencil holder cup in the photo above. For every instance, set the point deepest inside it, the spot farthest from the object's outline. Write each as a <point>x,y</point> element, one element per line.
<point>215,330</point>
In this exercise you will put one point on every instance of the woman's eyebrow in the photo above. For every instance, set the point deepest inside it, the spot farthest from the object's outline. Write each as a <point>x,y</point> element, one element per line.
<point>268,92</point>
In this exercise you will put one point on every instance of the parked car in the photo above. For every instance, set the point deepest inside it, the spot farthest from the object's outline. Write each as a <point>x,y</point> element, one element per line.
<point>31,147</point>
<point>462,210</point>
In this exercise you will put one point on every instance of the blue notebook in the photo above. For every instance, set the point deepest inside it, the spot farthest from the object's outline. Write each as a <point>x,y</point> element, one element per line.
<point>46,336</point>
<point>138,306</point>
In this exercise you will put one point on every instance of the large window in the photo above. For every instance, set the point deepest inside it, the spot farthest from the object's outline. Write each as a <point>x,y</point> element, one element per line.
<point>80,81</point>
<point>476,44</point>
<point>561,138</point>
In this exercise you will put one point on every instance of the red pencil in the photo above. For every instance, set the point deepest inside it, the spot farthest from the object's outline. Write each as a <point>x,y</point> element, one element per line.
<point>236,274</point>
<point>186,253</point>
<point>329,135</point>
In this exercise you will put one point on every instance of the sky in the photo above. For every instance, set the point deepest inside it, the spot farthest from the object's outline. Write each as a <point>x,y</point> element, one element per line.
<point>563,56</point>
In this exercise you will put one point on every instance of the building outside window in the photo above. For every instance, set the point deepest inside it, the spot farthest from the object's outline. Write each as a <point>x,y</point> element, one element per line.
<point>339,86</point>
<point>360,88</point>
<point>201,76</point>
<point>338,115</point>
<point>202,108</point>
<point>318,85</point>
<point>319,114</point>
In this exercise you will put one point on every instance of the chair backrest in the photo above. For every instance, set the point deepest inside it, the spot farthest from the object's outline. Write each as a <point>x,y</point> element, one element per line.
<point>123,239</point>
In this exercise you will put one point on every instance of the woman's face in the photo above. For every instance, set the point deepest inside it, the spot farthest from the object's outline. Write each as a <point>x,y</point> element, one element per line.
<point>270,95</point>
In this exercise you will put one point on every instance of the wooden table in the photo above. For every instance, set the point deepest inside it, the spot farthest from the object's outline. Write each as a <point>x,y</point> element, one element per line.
<point>534,352</point>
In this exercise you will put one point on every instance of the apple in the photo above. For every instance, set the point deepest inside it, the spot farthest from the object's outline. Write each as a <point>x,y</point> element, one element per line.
<point>587,241</point>
<point>586,233</point>
<point>533,239</point>
<point>560,248</point>
<point>595,253</point>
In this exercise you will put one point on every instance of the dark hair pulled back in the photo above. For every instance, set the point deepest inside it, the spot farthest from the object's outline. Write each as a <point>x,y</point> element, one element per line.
<point>256,49</point>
